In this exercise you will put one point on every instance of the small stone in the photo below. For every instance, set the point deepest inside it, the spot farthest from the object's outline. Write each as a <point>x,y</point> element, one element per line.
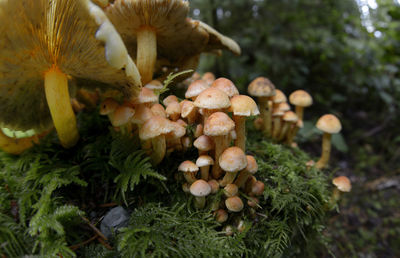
<point>115,219</point>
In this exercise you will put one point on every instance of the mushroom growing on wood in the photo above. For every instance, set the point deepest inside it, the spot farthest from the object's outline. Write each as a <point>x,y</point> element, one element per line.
<point>329,124</point>
<point>43,43</point>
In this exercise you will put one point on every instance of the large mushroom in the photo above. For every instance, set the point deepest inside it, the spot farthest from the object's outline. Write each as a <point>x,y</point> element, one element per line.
<point>329,124</point>
<point>43,44</point>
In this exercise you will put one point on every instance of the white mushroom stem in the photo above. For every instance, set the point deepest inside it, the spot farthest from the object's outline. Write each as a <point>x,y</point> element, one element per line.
<point>265,112</point>
<point>221,143</point>
<point>300,112</point>
<point>240,127</point>
<point>326,151</point>
<point>199,202</point>
<point>159,149</point>
<point>204,172</point>
<point>228,178</point>
<point>242,178</point>
<point>58,100</point>
<point>146,53</point>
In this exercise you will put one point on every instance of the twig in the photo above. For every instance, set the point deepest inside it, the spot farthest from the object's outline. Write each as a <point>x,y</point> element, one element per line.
<point>98,232</point>
<point>106,205</point>
<point>77,246</point>
<point>104,244</point>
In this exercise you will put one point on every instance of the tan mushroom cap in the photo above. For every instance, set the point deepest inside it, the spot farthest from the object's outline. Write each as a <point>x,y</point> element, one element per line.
<point>231,190</point>
<point>142,114</point>
<point>108,106</point>
<point>208,77</point>
<point>277,112</point>
<point>212,98</point>
<point>279,97</point>
<point>300,98</point>
<point>195,88</point>
<point>155,126</point>
<point>252,166</point>
<point>146,95</point>
<point>154,85</point>
<point>242,105</point>
<point>178,130</point>
<point>234,204</point>
<point>200,188</point>
<point>74,36</point>
<point>233,159</point>
<point>187,108</point>
<point>158,110</point>
<point>329,124</point>
<point>188,166</point>
<point>170,99</point>
<point>173,111</point>
<point>226,86</point>
<point>218,124</point>
<point>204,143</point>
<point>290,116</point>
<point>261,87</point>
<point>122,115</point>
<point>284,106</point>
<point>342,183</point>
<point>204,160</point>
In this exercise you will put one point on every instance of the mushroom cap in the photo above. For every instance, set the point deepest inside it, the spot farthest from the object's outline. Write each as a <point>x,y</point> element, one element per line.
<point>231,190</point>
<point>154,85</point>
<point>173,109</point>
<point>155,126</point>
<point>204,143</point>
<point>284,106</point>
<point>300,98</point>
<point>208,77</point>
<point>342,183</point>
<point>76,36</point>
<point>290,116</point>
<point>146,95</point>
<point>329,124</point>
<point>178,130</point>
<point>108,106</point>
<point>158,110</point>
<point>217,124</point>
<point>170,99</point>
<point>200,188</point>
<point>187,108</point>
<point>122,115</point>
<point>234,204</point>
<point>204,160</point>
<point>195,88</point>
<point>188,166</point>
<point>261,87</point>
<point>142,114</point>
<point>226,86</point>
<point>279,97</point>
<point>277,113</point>
<point>214,185</point>
<point>242,105</point>
<point>212,98</point>
<point>252,166</point>
<point>233,159</point>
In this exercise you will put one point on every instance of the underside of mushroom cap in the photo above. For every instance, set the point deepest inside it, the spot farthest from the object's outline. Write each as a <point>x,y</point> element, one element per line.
<point>74,36</point>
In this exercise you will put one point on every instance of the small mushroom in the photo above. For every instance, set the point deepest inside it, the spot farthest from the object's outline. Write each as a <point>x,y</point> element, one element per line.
<point>212,100</point>
<point>300,99</point>
<point>189,170</point>
<point>195,88</point>
<point>329,124</point>
<point>250,169</point>
<point>342,184</point>
<point>204,162</point>
<point>226,86</point>
<point>200,189</point>
<point>232,160</point>
<point>234,204</point>
<point>289,119</point>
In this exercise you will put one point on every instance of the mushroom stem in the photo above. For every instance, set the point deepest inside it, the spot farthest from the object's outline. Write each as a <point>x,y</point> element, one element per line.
<point>334,198</point>
<point>199,202</point>
<point>326,151</point>
<point>228,178</point>
<point>16,146</point>
<point>242,178</point>
<point>300,112</point>
<point>204,172</point>
<point>277,127</point>
<point>265,112</point>
<point>284,131</point>
<point>57,95</point>
<point>221,144</point>
<point>159,148</point>
<point>240,127</point>
<point>146,53</point>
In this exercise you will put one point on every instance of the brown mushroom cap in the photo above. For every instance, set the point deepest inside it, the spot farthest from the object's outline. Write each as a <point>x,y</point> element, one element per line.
<point>261,87</point>
<point>233,159</point>
<point>188,166</point>
<point>242,105</point>
<point>252,166</point>
<point>204,143</point>
<point>226,86</point>
<point>155,126</point>
<point>195,88</point>
<point>212,98</point>
<point>217,124</point>
<point>214,186</point>
<point>329,124</point>
<point>200,188</point>
<point>234,204</point>
<point>231,190</point>
<point>204,160</point>
<point>300,98</point>
<point>75,36</point>
<point>342,183</point>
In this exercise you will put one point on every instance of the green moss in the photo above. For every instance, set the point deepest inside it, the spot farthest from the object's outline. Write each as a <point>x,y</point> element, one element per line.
<point>53,188</point>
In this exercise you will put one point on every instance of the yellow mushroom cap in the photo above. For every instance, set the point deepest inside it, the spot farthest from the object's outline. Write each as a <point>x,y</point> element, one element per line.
<point>212,98</point>
<point>195,88</point>
<point>329,124</point>
<point>218,124</point>
<point>155,126</point>
<point>242,105</point>
<point>233,159</point>
<point>226,86</point>
<point>261,87</point>
<point>300,98</point>
<point>342,183</point>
